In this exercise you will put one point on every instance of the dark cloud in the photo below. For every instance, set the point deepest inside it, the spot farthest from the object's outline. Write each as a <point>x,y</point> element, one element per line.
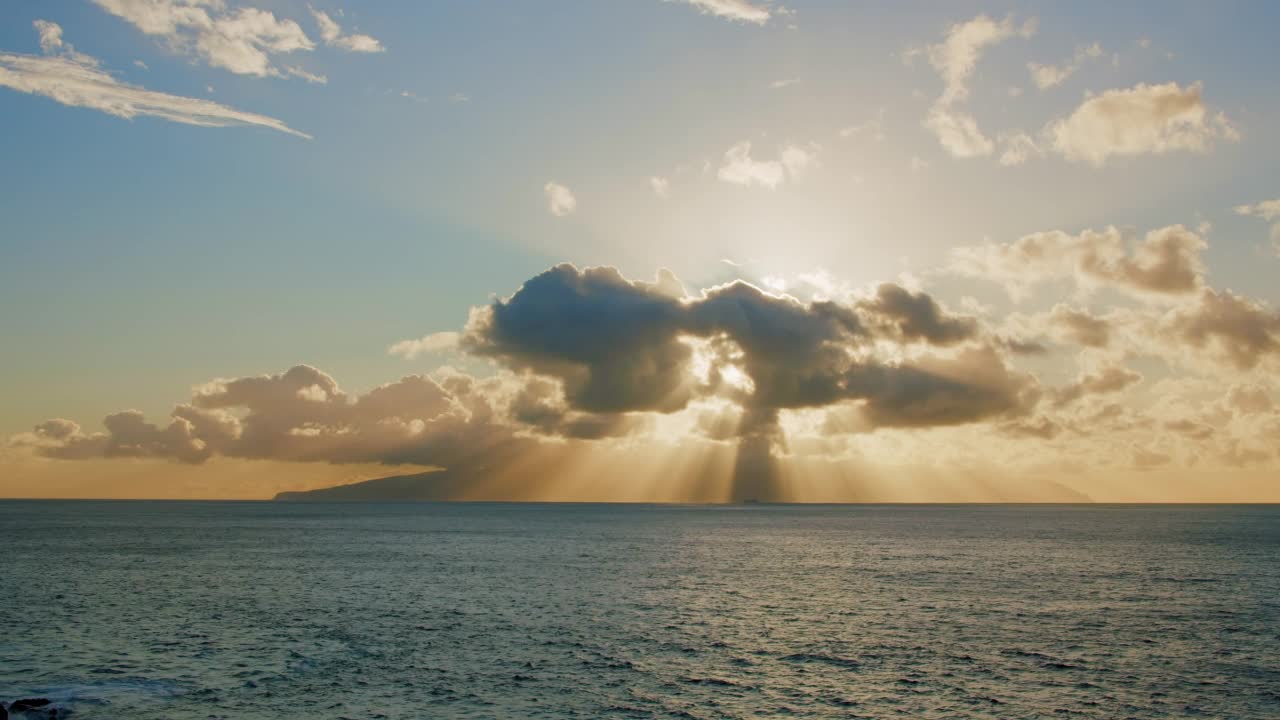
<point>1244,332</point>
<point>916,317</point>
<point>615,344</point>
<point>932,392</point>
<point>1080,327</point>
<point>1166,261</point>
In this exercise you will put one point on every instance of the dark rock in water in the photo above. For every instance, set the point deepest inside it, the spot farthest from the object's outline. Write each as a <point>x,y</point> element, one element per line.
<point>35,709</point>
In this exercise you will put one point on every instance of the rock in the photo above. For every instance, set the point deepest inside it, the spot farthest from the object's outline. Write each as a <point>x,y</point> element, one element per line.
<point>34,709</point>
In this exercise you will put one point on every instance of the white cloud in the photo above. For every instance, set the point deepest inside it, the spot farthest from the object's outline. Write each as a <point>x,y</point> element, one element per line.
<point>1047,76</point>
<point>50,35</point>
<point>661,186</point>
<point>560,200</point>
<point>74,79</point>
<point>1017,148</point>
<point>958,132</point>
<point>740,168</point>
<point>1144,119</point>
<point>797,159</point>
<point>873,128</point>
<point>740,10</point>
<point>435,342</point>
<point>309,77</point>
<point>955,59</point>
<point>787,82</point>
<point>1268,210</point>
<point>331,33</point>
<point>1165,264</point>
<point>240,40</point>
<point>51,43</point>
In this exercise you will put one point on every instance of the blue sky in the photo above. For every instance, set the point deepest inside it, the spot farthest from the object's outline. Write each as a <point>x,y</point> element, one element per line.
<point>141,256</point>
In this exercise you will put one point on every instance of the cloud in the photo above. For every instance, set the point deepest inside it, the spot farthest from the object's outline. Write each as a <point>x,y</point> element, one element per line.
<point>740,168</point>
<point>1166,262</point>
<point>331,33</point>
<point>621,346</point>
<point>912,317</point>
<point>1142,120</point>
<point>309,77</point>
<point>798,159</point>
<point>74,79</point>
<point>240,40</point>
<point>1109,381</point>
<point>786,82</point>
<point>1018,148</point>
<point>435,342</point>
<point>560,200</point>
<point>873,128</point>
<point>958,132</point>
<point>955,59</point>
<point>585,361</point>
<point>1242,331</point>
<point>739,10</point>
<point>301,415</point>
<point>1080,327</point>
<point>1048,76</point>
<point>661,186</point>
<point>612,342</point>
<point>1268,210</point>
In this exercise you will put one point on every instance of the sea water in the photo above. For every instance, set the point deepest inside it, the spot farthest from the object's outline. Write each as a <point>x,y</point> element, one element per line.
<point>419,610</point>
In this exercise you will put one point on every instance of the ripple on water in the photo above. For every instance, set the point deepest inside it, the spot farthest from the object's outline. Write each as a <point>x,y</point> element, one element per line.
<point>476,611</point>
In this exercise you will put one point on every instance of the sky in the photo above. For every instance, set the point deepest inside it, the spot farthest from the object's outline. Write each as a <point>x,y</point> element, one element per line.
<point>643,250</point>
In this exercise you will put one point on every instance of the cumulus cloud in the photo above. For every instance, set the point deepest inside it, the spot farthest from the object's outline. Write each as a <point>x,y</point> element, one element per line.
<point>74,79</point>
<point>1268,210</point>
<point>738,10</point>
<point>560,200</point>
<point>955,59</point>
<point>240,40</point>
<point>623,346</point>
<point>1241,330</point>
<point>1142,120</point>
<point>435,342</point>
<point>331,33</point>
<point>302,415</point>
<point>661,186</point>
<point>740,168</point>
<point>1166,262</point>
<point>916,316</point>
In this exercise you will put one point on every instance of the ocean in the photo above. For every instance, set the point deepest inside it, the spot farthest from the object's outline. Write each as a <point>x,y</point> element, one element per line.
<point>177,610</point>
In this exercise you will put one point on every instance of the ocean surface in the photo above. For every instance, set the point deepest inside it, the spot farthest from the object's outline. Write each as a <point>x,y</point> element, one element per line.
<point>131,610</point>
